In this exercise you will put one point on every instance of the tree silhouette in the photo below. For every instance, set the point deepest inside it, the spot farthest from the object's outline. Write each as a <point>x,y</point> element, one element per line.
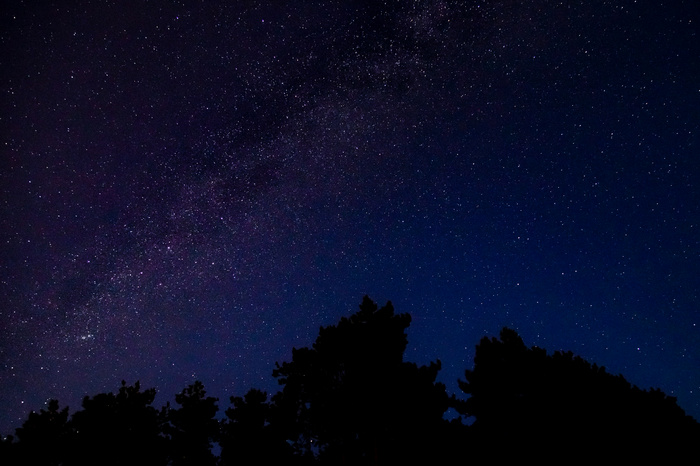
<point>351,398</point>
<point>192,427</point>
<point>118,429</point>
<point>42,438</point>
<point>542,406</point>
<point>252,433</point>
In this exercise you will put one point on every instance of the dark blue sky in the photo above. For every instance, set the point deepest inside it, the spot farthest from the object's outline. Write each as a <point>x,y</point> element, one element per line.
<point>190,189</point>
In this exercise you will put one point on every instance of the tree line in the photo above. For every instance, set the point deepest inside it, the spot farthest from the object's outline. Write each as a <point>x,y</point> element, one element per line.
<point>351,399</point>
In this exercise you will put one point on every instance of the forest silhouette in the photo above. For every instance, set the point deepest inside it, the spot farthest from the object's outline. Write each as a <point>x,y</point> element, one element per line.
<point>351,399</point>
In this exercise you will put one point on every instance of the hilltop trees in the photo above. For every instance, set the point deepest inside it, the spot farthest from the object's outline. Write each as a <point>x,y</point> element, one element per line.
<point>192,427</point>
<point>351,398</point>
<point>551,406</point>
<point>254,433</point>
<point>117,429</point>
<point>43,438</point>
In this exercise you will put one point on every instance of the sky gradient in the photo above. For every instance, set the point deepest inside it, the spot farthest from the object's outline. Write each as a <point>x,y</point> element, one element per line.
<point>190,189</point>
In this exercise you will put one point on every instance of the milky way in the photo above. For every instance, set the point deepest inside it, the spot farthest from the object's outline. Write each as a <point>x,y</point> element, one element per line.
<point>190,190</point>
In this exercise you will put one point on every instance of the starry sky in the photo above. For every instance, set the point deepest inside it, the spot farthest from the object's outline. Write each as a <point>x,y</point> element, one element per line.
<point>191,188</point>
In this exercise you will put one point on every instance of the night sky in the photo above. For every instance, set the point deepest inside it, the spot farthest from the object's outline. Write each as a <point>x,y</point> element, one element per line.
<point>190,189</point>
